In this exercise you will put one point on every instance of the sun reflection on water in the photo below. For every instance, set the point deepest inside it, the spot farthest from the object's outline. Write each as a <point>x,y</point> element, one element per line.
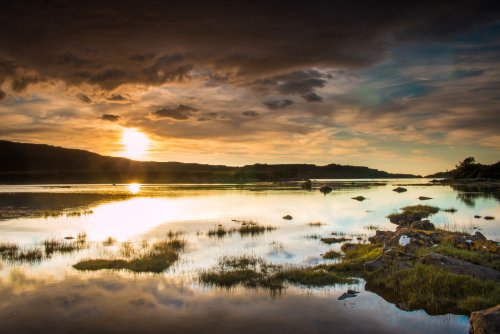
<point>134,188</point>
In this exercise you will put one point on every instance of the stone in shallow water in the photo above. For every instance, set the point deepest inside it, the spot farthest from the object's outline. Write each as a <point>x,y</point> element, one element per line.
<point>485,321</point>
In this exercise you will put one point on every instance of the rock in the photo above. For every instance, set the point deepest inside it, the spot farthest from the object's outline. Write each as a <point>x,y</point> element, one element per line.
<point>460,267</point>
<point>477,216</point>
<point>359,198</point>
<point>348,294</point>
<point>478,236</point>
<point>423,225</point>
<point>380,236</point>
<point>424,198</point>
<point>489,217</point>
<point>400,189</point>
<point>405,218</point>
<point>374,265</point>
<point>326,189</point>
<point>404,240</point>
<point>288,217</point>
<point>307,185</point>
<point>485,321</point>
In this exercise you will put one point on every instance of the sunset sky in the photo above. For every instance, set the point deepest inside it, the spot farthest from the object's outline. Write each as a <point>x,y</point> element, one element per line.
<point>403,86</point>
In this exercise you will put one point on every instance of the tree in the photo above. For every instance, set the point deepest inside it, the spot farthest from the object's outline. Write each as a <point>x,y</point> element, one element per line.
<point>466,162</point>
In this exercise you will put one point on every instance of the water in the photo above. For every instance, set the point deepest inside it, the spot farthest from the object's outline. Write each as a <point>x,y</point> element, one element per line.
<point>52,294</point>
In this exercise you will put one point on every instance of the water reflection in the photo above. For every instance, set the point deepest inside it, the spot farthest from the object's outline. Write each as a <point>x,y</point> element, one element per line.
<point>115,303</point>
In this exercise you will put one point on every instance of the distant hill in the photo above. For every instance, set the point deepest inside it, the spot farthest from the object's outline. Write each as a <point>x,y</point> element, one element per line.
<point>36,163</point>
<point>470,170</point>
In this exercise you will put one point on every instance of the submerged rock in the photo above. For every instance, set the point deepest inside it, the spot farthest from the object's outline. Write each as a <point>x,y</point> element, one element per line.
<point>460,267</point>
<point>424,198</point>
<point>477,216</point>
<point>485,321</point>
<point>349,294</point>
<point>489,217</point>
<point>307,185</point>
<point>326,189</point>
<point>359,198</point>
<point>400,189</point>
<point>287,217</point>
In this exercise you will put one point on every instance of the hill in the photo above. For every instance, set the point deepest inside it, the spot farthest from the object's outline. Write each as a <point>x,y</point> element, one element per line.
<point>468,169</point>
<point>37,163</point>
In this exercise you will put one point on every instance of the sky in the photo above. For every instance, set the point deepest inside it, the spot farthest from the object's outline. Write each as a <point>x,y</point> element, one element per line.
<point>400,86</point>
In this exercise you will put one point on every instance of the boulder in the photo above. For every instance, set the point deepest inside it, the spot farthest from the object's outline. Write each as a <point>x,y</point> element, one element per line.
<point>359,198</point>
<point>423,225</point>
<point>380,236</point>
<point>485,321</point>
<point>405,218</point>
<point>460,267</point>
<point>287,217</point>
<point>424,198</point>
<point>374,265</point>
<point>399,189</point>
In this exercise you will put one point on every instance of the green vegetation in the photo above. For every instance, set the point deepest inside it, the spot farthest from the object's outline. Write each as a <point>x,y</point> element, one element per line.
<point>331,254</point>
<point>254,272</point>
<point>316,224</point>
<point>52,246</point>
<point>252,228</point>
<point>423,210</point>
<point>484,258</point>
<point>435,289</point>
<point>155,259</point>
<point>334,240</point>
<point>220,231</point>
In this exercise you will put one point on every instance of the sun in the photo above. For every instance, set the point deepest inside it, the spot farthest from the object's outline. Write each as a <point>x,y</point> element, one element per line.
<point>135,143</point>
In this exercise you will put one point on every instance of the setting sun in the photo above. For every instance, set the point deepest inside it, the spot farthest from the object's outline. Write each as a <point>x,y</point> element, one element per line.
<point>135,143</point>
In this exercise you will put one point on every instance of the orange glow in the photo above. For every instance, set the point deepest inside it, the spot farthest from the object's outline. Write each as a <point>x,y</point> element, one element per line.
<point>136,143</point>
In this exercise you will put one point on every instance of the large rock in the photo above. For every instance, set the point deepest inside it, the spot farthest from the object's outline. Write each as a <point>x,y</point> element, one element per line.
<point>485,321</point>
<point>460,267</point>
<point>405,218</point>
<point>381,236</point>
<point>423,225</point>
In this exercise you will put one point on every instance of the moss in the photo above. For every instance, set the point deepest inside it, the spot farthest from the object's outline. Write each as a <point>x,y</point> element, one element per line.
<point>435,290</point>
<point>313,277</point>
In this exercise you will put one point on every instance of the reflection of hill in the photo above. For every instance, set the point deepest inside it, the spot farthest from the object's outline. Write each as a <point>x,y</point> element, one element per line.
<point>470,193</point>
<point>34,163</point>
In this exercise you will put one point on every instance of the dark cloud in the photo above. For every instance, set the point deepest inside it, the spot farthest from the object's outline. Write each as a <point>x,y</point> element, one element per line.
<point>84,98</point>
<point>3,95</point>
<point>312,97</point>
<point>116,98</point>
<point>151,43</point>
<point>278,104</point>
<point>250,113</point>
<point>109,117</point>
<point>181,112</point>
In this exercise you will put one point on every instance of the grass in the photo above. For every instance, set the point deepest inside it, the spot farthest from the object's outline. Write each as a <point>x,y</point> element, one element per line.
<point>436,290</point>
<point>109,241</point>
<point>252,228</point>
<point>52,246</point>
<point>483,258</point>
<point>156,259</point>
<point>219,231</point>
<point>252,272</point>
<point>331,254</point>
<point>450,210</point>
<point>333,240</point>
<point>316,224</point>
<point>423,210</point>
<point>371,227</point>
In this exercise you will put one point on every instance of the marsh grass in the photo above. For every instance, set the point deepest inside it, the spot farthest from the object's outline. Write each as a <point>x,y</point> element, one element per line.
<point>155,259</point>
<point>333,240</point>
<point>371,227</point>
<point>483,258</point>
<point>450,210</point>
<point>246,228</point>
<point>52,246</point>
<point>332,254</point>
<point>253,272</point>
<point>220,231</point>
<point>315,224</point>
<point>435,289</point>
<point>109,241</point>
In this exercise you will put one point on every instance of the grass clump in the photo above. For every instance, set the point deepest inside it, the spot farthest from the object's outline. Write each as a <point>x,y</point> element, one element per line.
<point>252,272</point>
<point>315,224</point>
<point>333,240</point>
<point>372,227</point>
<point>435,289</point>
<point>52,246</point>
<point>423,210</point>
<point>8,250</point>
<point>220,231</point>
<point>156,259</point>
<point>331,254</point>
<point>252,228</point>
<point>450,210</point>
<point>14,253</point>
<point>483,258</point>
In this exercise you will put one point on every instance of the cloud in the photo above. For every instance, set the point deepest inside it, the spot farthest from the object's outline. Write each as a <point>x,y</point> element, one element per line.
<point>84,98</point>
<point>181,112</point>
<point>108,46</point>
<point>278,104</point>
<point>109,117</point>
<point>116,98</point>
<point>250,113</point>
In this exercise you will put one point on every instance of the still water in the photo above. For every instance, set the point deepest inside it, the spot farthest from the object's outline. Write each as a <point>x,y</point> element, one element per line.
<point>51,296</point>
